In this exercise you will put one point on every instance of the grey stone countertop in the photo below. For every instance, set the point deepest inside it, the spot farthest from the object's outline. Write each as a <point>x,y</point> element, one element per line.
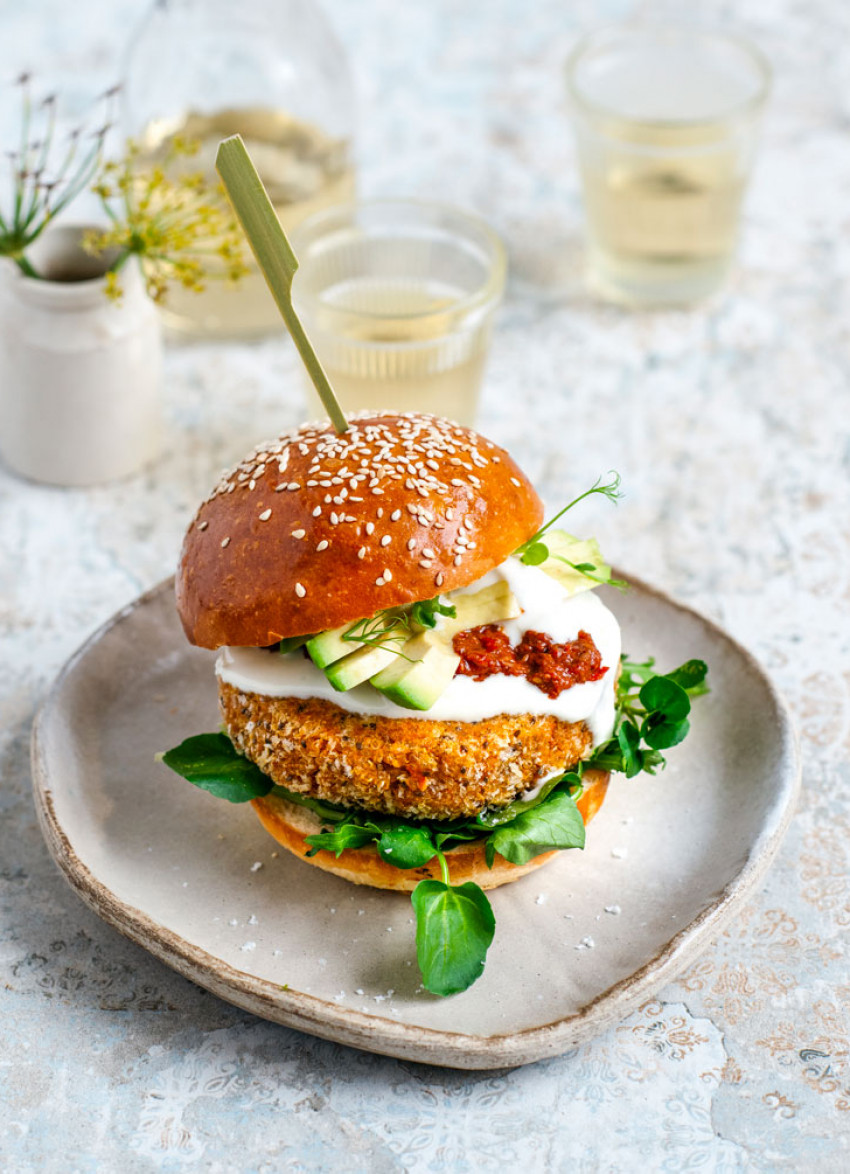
<point>730,426</point>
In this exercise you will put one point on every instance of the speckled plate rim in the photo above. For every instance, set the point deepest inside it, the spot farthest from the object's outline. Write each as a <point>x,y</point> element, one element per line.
<point>408,1041</point>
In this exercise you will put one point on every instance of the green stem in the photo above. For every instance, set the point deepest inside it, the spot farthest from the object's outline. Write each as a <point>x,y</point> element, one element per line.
<point>119,262</point>
<point>25,267</point>
<point>444,868</point>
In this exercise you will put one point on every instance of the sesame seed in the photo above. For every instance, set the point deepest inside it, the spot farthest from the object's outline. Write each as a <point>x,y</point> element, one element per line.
<point>515,482</point>
<point>439,579</point>
<point>387,575</point>
<point>457,481</point>
<point>426,563</point>
<point>433,465</point>
<point>411,542</point>
<point>298,533</point>
<point>203,525</point>
<point>225,542</point>
<point>293,485</point>
<point>328,499</point>
<point>251,483</point>
<point>386,540</point>
<point>395,515</point>
<point>317,511</point>
<point>281,487</point>
<point>300,590</point>
<point>334,519</point>
<point>370,526</point>
<point>378,492</point>
<point>379,582</point>
<point>231,487</point>
<point>457,560</point>
<point>361,552</point>
<point>450,514</point>
<point>349,518</point>
<point>323,545</point>
<point>428,552</point>
<point>380,513</point>
<point>265,515</point>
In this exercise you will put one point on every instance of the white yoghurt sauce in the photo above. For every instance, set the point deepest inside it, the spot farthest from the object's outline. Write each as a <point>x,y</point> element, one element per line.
<point>546,607</point>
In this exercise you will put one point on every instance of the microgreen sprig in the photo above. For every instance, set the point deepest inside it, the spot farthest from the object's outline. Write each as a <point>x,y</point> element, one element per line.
<point>533,552</point>
<point>390,629</point>
<point>652,715</point>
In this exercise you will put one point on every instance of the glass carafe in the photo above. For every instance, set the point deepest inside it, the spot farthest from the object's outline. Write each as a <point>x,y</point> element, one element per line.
<point>270,70</point>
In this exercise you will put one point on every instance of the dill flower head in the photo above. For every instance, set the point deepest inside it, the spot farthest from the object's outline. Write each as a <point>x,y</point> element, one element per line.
<point>179,225</point>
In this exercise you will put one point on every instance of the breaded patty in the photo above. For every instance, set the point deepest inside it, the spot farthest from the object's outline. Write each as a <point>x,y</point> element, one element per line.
<point>402,766</point>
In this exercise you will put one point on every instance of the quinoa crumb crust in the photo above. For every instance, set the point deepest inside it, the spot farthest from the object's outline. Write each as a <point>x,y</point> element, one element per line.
<point>400,766</point>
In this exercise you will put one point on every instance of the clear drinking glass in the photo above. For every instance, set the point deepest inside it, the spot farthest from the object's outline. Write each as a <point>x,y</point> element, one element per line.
<point>398,297</point>
<point>666,121</point>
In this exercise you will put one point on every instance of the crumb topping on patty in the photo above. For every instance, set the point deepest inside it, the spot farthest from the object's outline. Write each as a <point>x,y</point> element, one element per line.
<point>408,767</point>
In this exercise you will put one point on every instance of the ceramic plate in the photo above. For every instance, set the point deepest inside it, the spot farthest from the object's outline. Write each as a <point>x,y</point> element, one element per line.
<point>578,944</point>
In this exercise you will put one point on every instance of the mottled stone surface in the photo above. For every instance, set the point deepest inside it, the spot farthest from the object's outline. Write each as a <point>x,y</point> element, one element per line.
<point>730,426</point>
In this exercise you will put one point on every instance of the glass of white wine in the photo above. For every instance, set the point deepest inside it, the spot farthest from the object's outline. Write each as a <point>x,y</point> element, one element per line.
<point>666,122</point>
<point>398,297</point>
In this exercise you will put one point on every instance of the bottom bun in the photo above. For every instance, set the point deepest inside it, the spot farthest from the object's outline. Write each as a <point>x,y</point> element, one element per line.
<point>290,824</point>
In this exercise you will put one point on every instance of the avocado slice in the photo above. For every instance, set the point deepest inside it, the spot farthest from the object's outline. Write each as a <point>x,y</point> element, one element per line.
<point>329,646</point>
<point>418,685</point>
<point>490,605</point>
<point>292,644</point>
<point>359,666</point>
<point>565,549</point>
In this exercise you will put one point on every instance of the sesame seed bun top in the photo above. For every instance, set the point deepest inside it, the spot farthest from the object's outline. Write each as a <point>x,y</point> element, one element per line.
<point>315,529</point>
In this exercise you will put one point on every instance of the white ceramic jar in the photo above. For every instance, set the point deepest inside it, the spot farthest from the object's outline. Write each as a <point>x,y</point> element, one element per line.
<point>79,374</point>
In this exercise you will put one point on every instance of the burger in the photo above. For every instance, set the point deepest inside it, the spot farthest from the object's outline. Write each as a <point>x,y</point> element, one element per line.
<point>420,688</point>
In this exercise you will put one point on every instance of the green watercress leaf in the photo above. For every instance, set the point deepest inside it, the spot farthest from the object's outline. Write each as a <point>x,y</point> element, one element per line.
<point>212,762</point>
<point>425,612</point>
<point>661,695</point>
<point>454,928</point>
<point>406,845</point>
<point>661,733</point>
<point>344,835</point>
<point>628,738</point>
<point>691,676</point>
<point>535,554</point>
<point>557,823</point>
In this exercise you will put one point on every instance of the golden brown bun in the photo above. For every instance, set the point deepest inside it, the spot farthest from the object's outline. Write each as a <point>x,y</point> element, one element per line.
<point>452,504</point>
<point>290,823</point>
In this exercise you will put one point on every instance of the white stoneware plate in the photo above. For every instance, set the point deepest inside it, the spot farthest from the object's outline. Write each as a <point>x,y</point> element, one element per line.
<point>198,882</point>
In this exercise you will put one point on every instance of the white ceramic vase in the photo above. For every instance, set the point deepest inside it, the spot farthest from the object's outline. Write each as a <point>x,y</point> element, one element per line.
<point>79,374</point>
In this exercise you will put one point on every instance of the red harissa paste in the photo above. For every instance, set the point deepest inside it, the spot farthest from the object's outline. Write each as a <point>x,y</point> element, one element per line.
<point>552,667</point>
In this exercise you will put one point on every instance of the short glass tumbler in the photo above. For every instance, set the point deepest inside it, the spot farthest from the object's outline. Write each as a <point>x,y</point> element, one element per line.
<point>666,121</point>
<point>398,298</point>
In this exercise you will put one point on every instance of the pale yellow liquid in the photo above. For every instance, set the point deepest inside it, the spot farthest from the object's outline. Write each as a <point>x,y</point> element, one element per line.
<point>666,223</point>
<point>377,341</point>
<point>303,171</point>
